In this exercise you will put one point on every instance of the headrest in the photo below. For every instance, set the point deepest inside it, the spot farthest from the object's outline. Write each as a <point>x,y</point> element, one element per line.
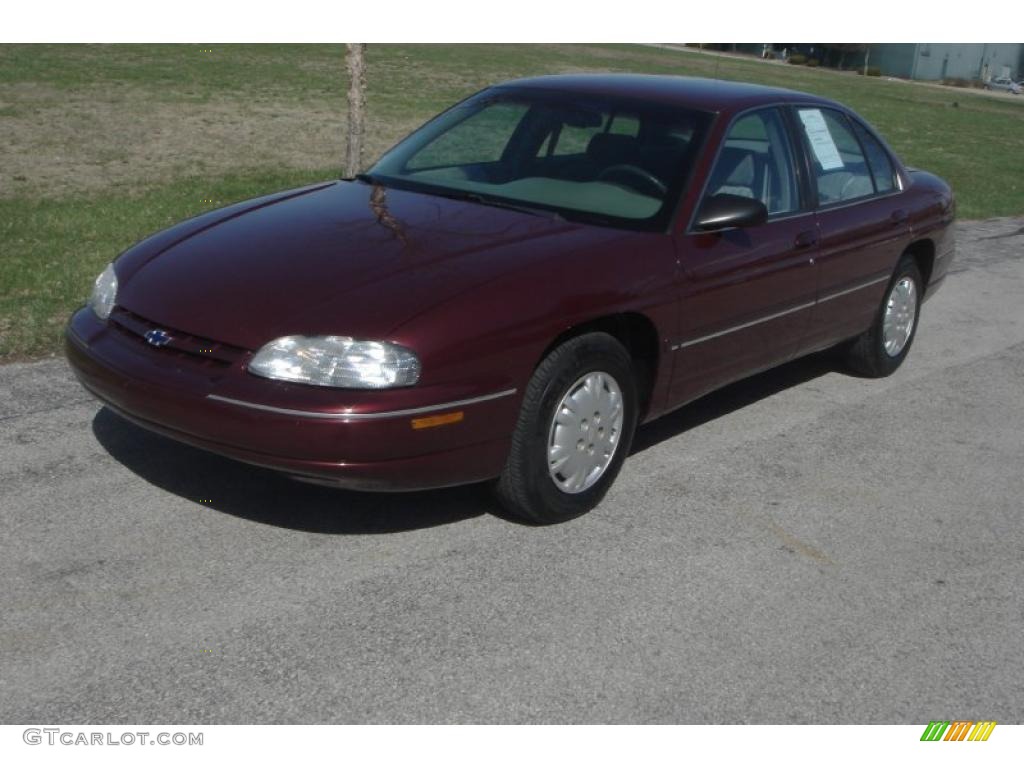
<point>610,148</point>
<point>736,166</point>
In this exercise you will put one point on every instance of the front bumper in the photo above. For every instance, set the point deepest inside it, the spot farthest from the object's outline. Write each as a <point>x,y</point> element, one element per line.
<point>358,440</point>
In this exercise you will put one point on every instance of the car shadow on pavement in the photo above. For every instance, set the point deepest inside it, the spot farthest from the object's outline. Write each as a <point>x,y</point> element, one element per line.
<point>735,396</point>
<point>269,497</point>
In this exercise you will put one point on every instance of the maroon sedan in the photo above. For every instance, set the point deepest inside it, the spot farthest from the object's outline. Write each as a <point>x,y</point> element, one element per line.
<point>509,291</point>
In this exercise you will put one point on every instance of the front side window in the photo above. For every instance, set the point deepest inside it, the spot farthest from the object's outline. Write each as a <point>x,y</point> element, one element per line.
<point>756,161</point>
<point>597,159</point>
<point>841,172</point>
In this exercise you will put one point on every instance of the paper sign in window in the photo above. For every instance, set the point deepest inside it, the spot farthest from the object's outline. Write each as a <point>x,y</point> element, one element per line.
<point>822,143</point>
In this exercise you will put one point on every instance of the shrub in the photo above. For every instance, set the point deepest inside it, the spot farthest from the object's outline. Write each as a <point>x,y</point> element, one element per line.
<point>797,58</point>
<point>812,62</point>
<point>874,72</point>
<point>956,82</point>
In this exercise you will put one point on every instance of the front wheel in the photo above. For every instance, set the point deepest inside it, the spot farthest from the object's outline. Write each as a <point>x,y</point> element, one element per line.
<point>882,348</point>
<point>573,433</point>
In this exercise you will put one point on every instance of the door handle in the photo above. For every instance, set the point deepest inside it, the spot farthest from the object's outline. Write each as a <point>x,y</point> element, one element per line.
<point>898,216</point>
<point>805,239</point>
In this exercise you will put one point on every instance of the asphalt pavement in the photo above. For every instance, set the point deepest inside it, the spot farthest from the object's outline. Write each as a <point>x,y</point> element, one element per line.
<point>802,547</point>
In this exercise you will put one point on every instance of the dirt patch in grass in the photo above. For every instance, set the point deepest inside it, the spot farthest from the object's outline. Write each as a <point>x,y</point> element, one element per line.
<point>59,143</point>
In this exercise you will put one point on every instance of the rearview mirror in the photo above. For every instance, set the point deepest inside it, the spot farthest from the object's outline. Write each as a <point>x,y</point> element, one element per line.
<point>725,211</point>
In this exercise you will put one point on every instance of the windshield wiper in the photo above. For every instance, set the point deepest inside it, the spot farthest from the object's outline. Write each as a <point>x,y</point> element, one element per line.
<point>476,197</point>
<point>368,178</point>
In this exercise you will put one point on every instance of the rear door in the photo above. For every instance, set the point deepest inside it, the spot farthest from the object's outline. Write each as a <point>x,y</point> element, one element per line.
<point>747,294</point>
<point>862,221</point>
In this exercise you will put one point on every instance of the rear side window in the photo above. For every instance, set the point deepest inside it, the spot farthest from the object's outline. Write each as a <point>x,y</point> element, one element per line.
<point>878,160</point>
<point>570,139</point>
<point>625,125</point>
<point>574,139</point>
<point>840,169</point>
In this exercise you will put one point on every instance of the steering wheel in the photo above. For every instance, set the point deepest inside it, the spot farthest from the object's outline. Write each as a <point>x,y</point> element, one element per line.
<point>648,180</point>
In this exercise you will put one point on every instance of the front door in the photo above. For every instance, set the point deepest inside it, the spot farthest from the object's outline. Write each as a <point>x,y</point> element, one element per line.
<point>746,294</point>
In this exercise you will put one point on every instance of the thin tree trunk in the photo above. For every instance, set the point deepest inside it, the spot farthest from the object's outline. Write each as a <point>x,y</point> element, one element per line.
<point>356,64</point>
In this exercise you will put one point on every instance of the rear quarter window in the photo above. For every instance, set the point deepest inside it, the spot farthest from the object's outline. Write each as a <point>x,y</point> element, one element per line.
<point>878,160</point>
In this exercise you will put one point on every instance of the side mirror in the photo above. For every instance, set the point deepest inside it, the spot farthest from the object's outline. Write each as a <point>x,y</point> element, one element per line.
<point>730,212</point>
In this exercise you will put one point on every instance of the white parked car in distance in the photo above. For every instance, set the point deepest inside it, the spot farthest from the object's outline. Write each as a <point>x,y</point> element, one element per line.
<point>1003,84</point>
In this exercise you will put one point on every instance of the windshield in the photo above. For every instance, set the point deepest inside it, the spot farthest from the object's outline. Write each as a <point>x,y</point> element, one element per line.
<point>587,158</point>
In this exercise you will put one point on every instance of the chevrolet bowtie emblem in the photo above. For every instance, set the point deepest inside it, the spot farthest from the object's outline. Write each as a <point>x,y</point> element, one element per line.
<point>157,337</point>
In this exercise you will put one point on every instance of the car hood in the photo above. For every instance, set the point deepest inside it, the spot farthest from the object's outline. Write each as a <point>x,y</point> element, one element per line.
<point>344,258</point>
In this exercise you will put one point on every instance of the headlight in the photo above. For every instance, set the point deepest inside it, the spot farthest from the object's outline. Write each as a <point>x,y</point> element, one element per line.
<point>104,293</point>
<point>337,361</point>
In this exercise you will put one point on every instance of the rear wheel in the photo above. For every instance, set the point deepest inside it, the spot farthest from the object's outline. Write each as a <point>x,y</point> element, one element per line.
<point>882,348</point>
<point>573,433</point>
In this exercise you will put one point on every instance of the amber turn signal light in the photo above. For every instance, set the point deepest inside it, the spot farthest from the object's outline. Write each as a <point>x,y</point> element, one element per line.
<point>438,421</point>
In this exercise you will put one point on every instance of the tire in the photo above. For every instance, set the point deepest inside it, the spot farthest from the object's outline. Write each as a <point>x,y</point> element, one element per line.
<point>876,354</point>
<point>584,372</point>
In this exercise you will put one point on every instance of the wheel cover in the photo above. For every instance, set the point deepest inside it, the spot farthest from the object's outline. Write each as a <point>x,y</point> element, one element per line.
<point>900,314</point>
<point>585,432</point>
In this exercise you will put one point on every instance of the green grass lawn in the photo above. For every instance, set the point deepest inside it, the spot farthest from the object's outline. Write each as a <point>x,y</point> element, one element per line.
<point>105,144</point>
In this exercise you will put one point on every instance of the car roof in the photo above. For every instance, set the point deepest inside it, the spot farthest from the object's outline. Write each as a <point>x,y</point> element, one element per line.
<point>695,92</point>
